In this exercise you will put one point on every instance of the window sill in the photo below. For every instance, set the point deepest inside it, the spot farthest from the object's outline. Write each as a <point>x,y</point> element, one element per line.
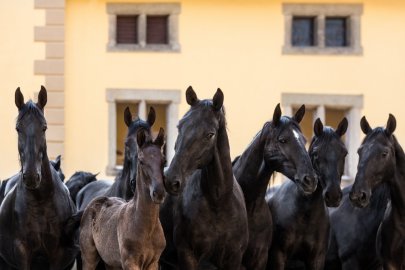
<point>323,51</point>
<point>143,48</point>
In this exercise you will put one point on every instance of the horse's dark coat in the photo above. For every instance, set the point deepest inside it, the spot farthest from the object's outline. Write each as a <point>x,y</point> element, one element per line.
<point>253,170</point>
<point>382,160</point>
<point>34,213</point>
<point>301,221</point>
<point>209,215</point>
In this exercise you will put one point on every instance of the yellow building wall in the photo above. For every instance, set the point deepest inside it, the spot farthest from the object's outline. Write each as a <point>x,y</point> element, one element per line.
<point>17,54</point>
<point>234,45</point>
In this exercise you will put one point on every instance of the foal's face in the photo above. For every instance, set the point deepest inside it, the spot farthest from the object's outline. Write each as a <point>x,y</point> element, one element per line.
<point>31,127</point>
<point>377,161</point>
<point>150,165</point>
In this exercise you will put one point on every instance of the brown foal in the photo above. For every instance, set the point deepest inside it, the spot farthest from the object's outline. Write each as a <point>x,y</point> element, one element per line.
<point>128,235</point>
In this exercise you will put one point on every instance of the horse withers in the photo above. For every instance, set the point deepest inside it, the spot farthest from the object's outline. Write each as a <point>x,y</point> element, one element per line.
<point>34,214</point>
<point>128,235</point>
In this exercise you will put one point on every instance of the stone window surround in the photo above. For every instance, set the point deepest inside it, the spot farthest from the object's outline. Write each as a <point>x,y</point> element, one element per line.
<point>142,10</point>
<point>352,103</point>
<point>141,96</point>
<point>320,11</point>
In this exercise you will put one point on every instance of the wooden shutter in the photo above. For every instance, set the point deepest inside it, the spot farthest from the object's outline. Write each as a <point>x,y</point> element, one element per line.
<point>157,30</point>
<point>127,29</point>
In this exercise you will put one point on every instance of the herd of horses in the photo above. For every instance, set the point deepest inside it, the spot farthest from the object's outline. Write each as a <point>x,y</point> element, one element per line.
<point>206,211</point>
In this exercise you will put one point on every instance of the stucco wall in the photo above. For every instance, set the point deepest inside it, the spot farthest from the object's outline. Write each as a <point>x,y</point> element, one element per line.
<point>234,45</point>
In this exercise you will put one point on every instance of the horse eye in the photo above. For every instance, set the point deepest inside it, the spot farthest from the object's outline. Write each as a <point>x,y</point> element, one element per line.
<point>210,135</point>
<point>385,154</point>
<point>44,129</point>
<point>282,140</point>
<point>18,130</point>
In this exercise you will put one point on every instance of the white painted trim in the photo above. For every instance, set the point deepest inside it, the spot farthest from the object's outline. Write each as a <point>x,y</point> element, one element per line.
<point>141,96</point>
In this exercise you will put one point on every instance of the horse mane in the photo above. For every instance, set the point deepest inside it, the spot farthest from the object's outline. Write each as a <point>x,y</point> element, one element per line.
<point>32,108</point>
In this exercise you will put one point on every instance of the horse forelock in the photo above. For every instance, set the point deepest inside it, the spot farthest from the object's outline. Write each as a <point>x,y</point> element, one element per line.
<point>138,124</point>
<point>31,108</point>
<point>327,136</point>
<point>205,104</point>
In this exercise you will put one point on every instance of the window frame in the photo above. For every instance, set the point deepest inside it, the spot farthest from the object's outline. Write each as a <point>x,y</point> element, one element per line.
<point>321,11</point>
<point>353,104</point>
<point>142,10</point>
<point>171,98</point>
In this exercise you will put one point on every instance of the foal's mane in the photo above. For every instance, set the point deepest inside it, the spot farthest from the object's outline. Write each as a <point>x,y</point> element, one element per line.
<point>30,108</point>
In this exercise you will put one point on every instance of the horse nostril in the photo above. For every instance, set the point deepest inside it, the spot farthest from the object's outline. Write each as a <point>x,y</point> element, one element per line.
<point>327,196</point>
<point>175,185</point>
<point>363,197</point>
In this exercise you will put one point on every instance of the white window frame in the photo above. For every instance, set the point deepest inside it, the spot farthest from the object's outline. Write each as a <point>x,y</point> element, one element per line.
<point>320,12</point>
<point>353,104</point>
<point>142,97</point>
<point>142,10</point>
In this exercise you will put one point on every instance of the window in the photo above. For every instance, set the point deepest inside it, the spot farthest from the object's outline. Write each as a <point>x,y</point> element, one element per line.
<point>330,109</point>
<point>322,28</point>
<point>143,27</point>
<point>165,103</point>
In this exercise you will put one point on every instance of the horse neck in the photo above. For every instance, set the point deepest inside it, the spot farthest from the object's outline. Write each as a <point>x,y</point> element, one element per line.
<point>217,176</point>
<point>145,209</point>
<point>397,184</point>
<point>251,172</point>
<point>122,186</point>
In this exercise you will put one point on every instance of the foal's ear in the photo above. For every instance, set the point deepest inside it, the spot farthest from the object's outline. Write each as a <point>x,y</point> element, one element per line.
<point>19,99</point>
<point>391,125</point>
<point>277,115</point>
<point>318,127</point>
<point>57,163</point>
<point>127,116</point>
<point>151,116</point>
<point>365,126</point>
<point>140,137</point>
<point>342,127</point>
<point>42,98</point>
<point>160,139</point>
<point>191,96</point>
<point>218,100</point>
<point>299,114</point>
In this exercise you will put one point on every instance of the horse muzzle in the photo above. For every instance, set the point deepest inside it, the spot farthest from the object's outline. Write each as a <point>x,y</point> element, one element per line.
<point>31,180</point>
<point>359,199</point>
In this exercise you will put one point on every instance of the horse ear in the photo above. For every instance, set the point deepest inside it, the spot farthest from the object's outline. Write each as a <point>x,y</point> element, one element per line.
<point>160,139</point>
<point>218,100</point>
<point>391,125</point>
<point>365,126</point>
<point>318,127</point>
<point>140,137</point>
<point>277,115</point>
<point>151,116</point>
<point>191,96</point>
<point>299,114</point>
<point>42,98</point>
<point>57,163</point>
<point>19,99</point>
<point>342,127</point>
<point>127,116</point>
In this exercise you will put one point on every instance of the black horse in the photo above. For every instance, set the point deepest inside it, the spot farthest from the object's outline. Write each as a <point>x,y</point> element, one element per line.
<point>209,220</point>
<point>9,183</point>
<point>354,230</point>
<point>274,148</point>
<point>124,184</point>
<point>301,220</point>
<point>34,214</point>
<point>78,180</point>
<point>382,160</point>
